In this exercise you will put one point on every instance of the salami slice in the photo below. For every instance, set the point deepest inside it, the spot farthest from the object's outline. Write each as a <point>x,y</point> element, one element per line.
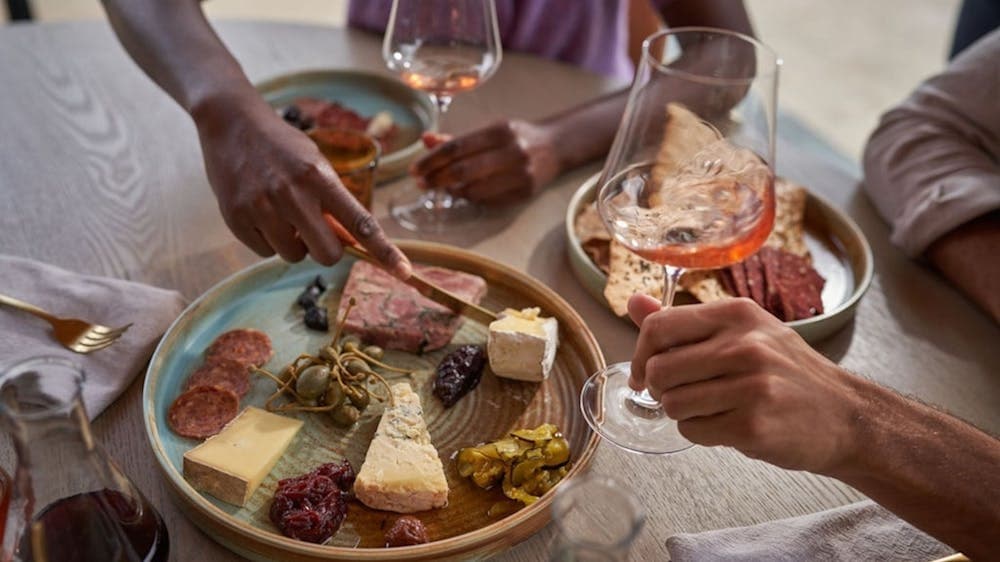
<point>202,411</point>
<point>739,274</point>
<point>223,373</point>
<point>245,346</point>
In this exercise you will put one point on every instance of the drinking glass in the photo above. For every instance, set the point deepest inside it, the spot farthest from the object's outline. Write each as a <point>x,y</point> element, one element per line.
<point>688,184</point>
<point>441,47</point>
<point>597,520</point>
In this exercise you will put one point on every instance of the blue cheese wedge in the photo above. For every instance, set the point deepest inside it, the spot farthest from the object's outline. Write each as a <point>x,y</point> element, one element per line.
<point>233,463</point>
<point>402,471</point>
<point>522,345</point>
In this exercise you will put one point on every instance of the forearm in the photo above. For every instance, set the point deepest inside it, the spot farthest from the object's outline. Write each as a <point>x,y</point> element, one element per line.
<point>931,469</point>
<point>175,45</point>
<point>584,133</point>
<point>967,257</point>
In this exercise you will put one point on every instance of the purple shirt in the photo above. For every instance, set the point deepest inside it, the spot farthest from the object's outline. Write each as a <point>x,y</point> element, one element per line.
<point>592,34</point>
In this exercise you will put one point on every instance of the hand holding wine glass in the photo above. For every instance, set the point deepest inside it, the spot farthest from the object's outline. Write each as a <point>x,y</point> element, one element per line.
<point>442,47</point>
<point>688,184</point>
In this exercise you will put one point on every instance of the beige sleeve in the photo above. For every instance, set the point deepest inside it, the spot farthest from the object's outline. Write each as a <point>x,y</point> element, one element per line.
<point>933,163</point>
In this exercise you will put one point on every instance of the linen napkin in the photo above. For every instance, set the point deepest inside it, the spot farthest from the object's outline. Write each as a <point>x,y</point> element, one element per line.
<point>111,302</point>
<point>859,531</point>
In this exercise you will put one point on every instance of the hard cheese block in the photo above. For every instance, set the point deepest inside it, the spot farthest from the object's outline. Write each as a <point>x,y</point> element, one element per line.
<point>233,463</point>
<point>522,345</point>
<point>402,471</point>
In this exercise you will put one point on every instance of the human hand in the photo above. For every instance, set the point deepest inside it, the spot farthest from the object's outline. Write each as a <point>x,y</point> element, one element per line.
<point>505,162</point>
<point>274,187</point>
<point>732,374</point>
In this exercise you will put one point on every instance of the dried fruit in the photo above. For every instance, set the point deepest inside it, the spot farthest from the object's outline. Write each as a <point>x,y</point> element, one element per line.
<point>459,373</point>
<point>406,531</point>
<point>313,506</point>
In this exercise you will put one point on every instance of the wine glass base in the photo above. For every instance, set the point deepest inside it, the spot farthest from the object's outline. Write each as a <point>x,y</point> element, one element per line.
<point>608,407</point>
<point>430,213</point>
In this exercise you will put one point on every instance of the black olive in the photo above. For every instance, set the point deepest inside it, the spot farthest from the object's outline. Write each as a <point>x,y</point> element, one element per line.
<point>316,319</point>
<point>292,114</point>
<point>319,283</point>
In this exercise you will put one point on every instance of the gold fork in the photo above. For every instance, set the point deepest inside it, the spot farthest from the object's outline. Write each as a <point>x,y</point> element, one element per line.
<point>77,335</point>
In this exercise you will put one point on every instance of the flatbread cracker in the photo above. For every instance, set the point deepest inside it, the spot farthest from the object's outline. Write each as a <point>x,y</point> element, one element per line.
<point>589,225</point>
<point>684,135</point>
<point>630,275</point>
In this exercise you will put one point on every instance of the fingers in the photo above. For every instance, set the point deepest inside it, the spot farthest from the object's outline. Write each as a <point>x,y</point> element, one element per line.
<point>707,397</point>
<point>361,225</point>
<point>666,329</point>
<point>499,189</point>
<point>498,134</point>
<point>641,306</point>
<point>307,217</point>
<point>247,233</point>
<point>479,166</point>
<point>279,234</point>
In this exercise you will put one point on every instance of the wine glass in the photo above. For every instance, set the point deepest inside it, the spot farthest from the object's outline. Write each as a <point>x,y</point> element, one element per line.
<point>688,184</point>
<point>442,47</point>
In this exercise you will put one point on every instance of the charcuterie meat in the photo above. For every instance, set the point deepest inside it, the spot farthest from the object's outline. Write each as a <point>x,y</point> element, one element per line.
<point>393,315</point>
<point>246,346</point>
<point>224,373</point>
<point>202,411</point>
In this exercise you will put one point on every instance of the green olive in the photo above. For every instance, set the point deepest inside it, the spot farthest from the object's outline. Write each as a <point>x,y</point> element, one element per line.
<point>329,353</point>
<point>357,367</point>
<point>374,351</point>
<point>358,396</point>
<point>346,415</point>
<point>313,382</point>
<point>334,394</point>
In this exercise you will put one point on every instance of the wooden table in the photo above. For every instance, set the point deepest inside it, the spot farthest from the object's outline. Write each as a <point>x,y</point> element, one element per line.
<point>101,173</point>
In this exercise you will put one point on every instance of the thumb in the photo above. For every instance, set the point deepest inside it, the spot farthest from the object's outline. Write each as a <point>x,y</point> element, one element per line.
<point>641,306</point>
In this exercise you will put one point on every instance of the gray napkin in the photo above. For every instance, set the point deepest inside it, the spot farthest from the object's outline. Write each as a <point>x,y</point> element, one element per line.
<point>112,302</point>
<point>859,531</point>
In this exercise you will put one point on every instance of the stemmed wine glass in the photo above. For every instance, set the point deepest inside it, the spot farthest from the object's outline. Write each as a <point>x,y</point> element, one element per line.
<point>441,47</point>
<point>688,184</point>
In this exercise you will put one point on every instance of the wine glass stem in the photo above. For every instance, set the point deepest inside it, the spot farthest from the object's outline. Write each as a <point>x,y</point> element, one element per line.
<point>440,198</point>
<point>671,276</point>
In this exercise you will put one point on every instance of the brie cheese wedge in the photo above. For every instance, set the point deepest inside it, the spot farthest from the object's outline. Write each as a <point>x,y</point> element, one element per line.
<point>522,345</point>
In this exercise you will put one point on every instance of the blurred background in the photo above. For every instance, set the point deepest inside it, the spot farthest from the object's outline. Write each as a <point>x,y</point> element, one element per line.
<point>845,61</point>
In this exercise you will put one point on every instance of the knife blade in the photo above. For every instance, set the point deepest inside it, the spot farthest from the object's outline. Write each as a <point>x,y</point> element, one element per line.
<point>437,294</point>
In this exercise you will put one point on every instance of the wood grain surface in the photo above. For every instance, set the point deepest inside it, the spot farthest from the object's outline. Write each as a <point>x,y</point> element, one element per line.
<point>101,173</point>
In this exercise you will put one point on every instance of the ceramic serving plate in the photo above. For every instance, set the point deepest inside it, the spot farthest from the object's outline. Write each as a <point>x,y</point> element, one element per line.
<point>263,297</point>
<point>839,250</point>
<point>367,94</point>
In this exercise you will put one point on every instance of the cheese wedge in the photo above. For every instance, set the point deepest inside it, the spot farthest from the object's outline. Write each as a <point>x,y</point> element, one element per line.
<point>402,471</point>
<point>233,463</point>
<point>522,345</point>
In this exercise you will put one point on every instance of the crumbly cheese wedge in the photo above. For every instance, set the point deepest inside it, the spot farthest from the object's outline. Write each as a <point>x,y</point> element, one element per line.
<point>402,471</point>
<point>522,345</point>
<point>232,464</point>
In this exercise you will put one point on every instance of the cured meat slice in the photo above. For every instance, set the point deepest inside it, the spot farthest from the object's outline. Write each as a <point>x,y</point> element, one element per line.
<point>245,346</point>
<point>739,278</point>
<point>794,288</point>
<point>202,411</point>
<point>223,373</point>
<point>801,284</point>
<point>755,279</point>
<point>393,315</point>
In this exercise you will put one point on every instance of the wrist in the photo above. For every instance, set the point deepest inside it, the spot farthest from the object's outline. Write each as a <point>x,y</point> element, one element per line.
<point>214,107</point>
<point>869,428</point>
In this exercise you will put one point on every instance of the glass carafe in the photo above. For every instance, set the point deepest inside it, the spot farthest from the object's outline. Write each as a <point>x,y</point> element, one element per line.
<point>68,500</point>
